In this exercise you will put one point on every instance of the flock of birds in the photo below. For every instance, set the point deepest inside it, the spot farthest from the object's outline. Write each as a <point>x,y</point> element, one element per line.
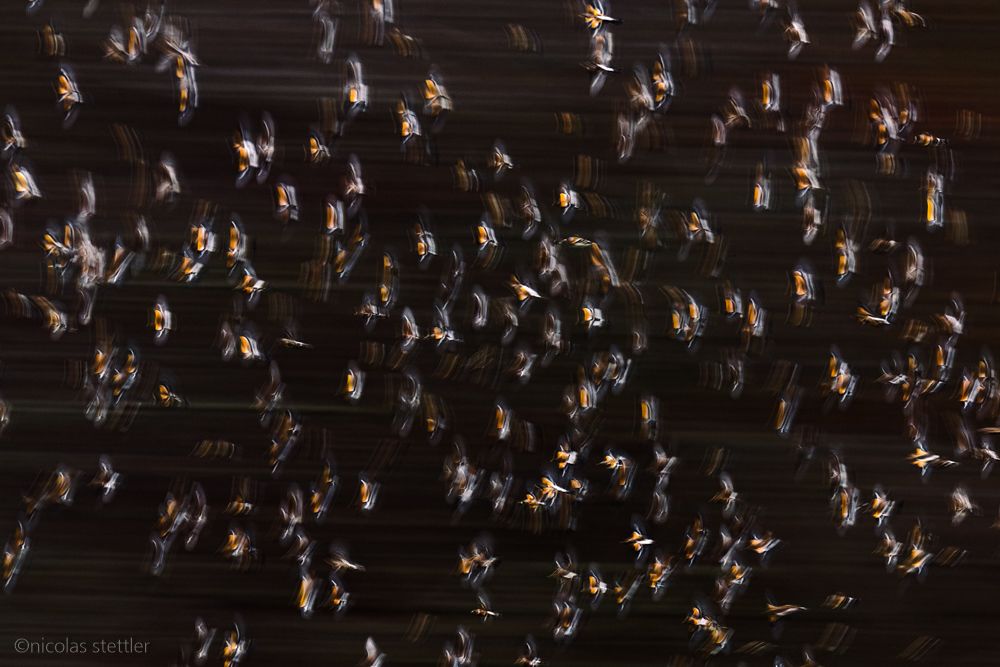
<point>557,304</point>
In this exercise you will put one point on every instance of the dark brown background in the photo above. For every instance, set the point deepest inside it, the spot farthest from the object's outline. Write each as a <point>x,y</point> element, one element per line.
<point>85,576</point>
